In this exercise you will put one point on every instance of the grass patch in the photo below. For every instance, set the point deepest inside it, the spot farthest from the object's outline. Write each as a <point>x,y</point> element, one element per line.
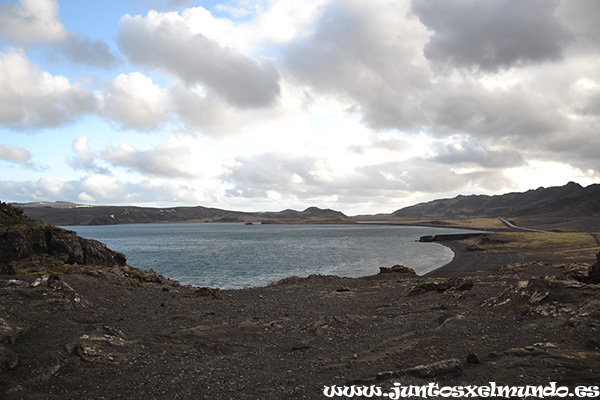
<point>477,223</point>
<point>40,265</point>
<point>542,240</point>
<point>470,223</point>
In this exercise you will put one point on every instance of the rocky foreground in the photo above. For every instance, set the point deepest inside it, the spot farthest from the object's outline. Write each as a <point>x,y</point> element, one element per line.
<point>77,323</point>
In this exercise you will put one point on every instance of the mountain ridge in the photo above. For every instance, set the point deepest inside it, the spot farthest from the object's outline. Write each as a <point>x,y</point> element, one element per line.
<point>570,200</point>
<point>68,214</point>
<point>570,206</point>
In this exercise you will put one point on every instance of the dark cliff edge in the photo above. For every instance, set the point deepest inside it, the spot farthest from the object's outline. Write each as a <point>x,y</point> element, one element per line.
<point>23,238</point>
<point>74,330</point>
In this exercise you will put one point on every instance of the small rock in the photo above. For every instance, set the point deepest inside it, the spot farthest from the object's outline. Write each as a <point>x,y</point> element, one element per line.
<point>54,282</point>
<point>473,359</point>
<point>451,367</point>
<point>8,358</point>
<point>210,292</point>
<point>7,269</point>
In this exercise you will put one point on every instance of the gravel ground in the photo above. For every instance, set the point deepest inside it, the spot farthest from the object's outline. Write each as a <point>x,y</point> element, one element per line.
<point>100,334</point>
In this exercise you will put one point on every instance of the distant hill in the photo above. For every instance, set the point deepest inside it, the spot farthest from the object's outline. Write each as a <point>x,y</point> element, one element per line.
<point>571,200</point>
<point>569,207</point>
<point>65,214</point>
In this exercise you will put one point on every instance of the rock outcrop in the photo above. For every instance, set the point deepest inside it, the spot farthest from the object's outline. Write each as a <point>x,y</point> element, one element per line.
<point>594,271</point>
<point>400,269</point>
<point>22,238</point>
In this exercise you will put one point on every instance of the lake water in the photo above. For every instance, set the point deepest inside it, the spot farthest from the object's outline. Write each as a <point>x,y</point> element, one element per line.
<point>231,255</point>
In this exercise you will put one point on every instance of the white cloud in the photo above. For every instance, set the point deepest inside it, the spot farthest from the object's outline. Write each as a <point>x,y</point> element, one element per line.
<point>280,22</point>
<point>135,102</point>
<point>31,21</point>
<point>174,157</point>
<point>15,154</point>
<point>102,186</point>
<point>538,173</point>
<point>83,196</point>
<point>83,158</point>
<point>33,99</point>
<point>101,189</point>
<point>165,41</point>
<point>263,24</point>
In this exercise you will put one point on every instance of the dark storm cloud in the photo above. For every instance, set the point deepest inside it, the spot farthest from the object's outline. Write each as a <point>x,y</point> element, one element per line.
<point>168,44</point>
<point>491,35</point>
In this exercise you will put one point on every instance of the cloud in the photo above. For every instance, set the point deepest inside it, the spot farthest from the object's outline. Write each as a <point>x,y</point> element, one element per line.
<point>133,101</point>
<point>44,189</point>
<point>31,21</point>
<point>16,155</point>
<point>179,3</point>
<point>167,42</point>
<point>200,110</point>
<point>83,50</point>
<point>278,22</point>
<point>592,106</point>
<point>367,55</point>
<point>36,21</point>
<point>514,113</point>
<point>174,157</point>
<point>492,35</point>
<point>426,176</point>
<point>465,152</point>
<point>308,177</point>
<point>101,189</point>
<point>83,158</point>
<point>581,18</point>
<point>33,99</point>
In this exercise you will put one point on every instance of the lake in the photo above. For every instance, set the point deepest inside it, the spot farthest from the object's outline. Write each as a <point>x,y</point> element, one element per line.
<point>234,255</point>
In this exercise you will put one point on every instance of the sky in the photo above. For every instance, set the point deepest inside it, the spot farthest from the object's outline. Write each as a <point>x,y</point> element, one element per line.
<point>262,105</point>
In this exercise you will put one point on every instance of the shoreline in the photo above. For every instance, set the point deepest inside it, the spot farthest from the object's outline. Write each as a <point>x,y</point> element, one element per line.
<point>462,264</point>
<point>94,327</point>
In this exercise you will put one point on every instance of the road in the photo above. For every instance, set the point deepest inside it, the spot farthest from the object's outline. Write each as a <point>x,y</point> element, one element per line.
<point>510,225</point>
